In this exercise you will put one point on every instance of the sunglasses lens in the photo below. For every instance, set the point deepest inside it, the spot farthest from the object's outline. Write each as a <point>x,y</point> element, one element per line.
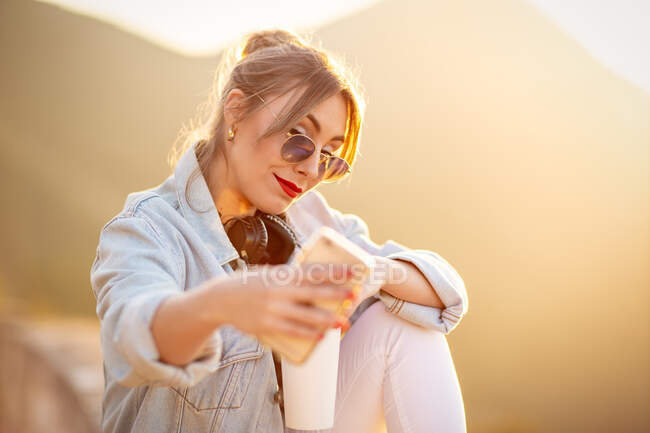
<point>334,169</point>
<point>297,148</point>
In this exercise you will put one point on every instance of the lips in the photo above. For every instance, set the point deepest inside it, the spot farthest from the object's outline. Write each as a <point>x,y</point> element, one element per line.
<point>289,187</point>
<point>290,184</point>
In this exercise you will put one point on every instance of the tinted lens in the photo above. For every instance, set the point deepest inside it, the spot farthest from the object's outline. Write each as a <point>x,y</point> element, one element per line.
<point>297,148</point>
<point>334,168</point>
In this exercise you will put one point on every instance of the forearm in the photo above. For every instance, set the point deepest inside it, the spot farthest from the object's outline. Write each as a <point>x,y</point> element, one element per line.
<point>408,283</point>
<point>183,323</point>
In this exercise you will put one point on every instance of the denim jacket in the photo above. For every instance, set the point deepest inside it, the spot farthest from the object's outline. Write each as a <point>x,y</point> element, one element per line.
<point>157,246</point>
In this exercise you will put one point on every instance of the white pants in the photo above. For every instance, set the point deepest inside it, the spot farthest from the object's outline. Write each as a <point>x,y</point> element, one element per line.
<point>397,376</point>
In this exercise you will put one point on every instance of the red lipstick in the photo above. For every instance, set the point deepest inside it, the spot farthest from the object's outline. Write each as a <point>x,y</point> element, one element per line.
<point>289,187</point>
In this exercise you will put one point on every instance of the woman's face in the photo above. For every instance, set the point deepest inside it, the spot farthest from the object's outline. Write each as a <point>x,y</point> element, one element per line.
<point>257,170</point>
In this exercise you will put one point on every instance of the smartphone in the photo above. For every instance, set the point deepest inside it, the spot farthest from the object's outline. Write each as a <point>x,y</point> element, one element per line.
<point>325,246</point>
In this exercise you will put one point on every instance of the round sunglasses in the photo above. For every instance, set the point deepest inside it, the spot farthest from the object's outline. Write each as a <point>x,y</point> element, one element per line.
<point>299,147</point>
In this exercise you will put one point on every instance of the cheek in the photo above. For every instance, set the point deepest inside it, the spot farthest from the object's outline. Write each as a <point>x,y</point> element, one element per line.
<point>267,158</point>
<point>312,184</point>
<point>257,165</point>
<point>251,158</point>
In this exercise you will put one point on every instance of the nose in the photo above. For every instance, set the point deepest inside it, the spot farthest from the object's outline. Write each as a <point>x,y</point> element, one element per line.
<point>310,166</point>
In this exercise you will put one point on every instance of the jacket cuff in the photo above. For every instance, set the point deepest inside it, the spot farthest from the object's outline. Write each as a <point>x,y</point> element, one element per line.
<point>448,285</point>
<point>422,315</point>
<point>140,360</point>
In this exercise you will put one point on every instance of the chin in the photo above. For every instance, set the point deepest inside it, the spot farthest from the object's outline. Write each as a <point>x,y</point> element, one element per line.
<point>271,201</point>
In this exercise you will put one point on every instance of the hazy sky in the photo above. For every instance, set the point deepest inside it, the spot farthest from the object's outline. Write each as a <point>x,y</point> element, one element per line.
<point>203,27</point>
<point>615,32</point>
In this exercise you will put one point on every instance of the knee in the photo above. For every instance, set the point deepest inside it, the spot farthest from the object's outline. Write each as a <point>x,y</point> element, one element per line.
<point>396,340</point>
<point>376,318</point>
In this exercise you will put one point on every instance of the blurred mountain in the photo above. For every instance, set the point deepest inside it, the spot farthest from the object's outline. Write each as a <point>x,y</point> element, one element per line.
<point>494,138</point>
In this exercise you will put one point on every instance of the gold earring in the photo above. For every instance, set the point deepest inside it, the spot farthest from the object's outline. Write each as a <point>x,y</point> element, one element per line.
<point>231,134</point>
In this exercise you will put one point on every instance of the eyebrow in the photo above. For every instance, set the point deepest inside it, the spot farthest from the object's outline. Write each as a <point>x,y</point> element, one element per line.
<point>317,126</point>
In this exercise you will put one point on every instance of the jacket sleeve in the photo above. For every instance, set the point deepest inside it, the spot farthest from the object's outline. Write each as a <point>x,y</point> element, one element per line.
<point>133,272</point>
<point>447,283</point>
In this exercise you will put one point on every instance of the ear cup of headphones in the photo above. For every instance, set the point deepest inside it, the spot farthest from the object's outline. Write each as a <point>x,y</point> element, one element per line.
<point>262,238</point>
<point>282,240</point>
<point>249,237</point>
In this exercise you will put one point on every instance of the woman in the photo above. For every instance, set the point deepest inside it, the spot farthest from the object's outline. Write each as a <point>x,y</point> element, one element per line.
<point>178,321</point>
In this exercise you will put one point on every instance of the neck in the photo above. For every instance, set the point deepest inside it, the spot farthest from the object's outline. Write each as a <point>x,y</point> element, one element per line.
<point>227,197</point>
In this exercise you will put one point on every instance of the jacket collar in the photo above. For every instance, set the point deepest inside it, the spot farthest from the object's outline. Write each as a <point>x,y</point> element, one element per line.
<point>207,224</point>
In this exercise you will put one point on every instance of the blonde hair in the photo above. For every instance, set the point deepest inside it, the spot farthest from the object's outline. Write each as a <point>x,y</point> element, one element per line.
<point>272,62</point>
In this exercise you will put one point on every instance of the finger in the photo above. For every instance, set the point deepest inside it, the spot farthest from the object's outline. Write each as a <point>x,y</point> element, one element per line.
<point>304,313</point>
<point>310,293</point>
<point>349,305</point>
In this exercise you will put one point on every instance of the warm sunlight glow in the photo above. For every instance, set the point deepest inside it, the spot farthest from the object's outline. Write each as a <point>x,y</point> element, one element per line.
<point>204,27</point>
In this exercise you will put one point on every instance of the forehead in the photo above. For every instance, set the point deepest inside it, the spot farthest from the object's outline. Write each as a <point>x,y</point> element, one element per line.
<point>331,113</point>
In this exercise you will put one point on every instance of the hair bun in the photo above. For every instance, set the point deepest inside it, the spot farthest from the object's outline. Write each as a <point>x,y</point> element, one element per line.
<point>269,38</point>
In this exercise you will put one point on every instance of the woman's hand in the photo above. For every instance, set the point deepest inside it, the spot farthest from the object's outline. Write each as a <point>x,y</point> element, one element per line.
<point>279,299</point>
<point>380,273</point>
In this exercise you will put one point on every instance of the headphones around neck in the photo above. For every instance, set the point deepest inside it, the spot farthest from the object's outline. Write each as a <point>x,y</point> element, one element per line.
<point>262,238</point>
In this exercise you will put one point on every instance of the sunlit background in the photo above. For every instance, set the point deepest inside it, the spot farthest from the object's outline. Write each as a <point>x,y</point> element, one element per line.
<point>510,136</point>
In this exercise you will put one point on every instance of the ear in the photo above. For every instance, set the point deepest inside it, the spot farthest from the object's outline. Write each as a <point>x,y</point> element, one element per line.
<point>233,105</point>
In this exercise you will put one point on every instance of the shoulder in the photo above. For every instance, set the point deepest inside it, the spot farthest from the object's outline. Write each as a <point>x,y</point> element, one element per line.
<point>153,209</point>
<point>151,202</point>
